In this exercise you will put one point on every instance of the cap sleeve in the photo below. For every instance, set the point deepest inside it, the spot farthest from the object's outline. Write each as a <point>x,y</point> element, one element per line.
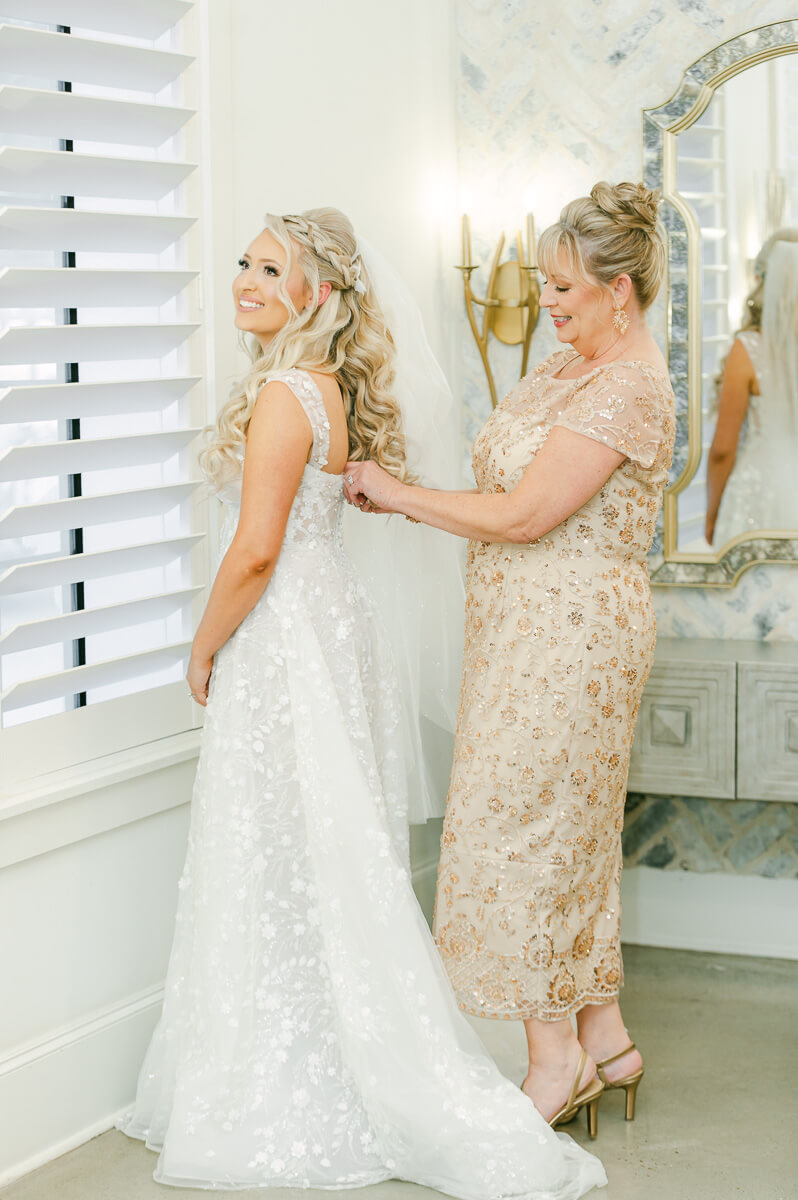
<point>623,408</point>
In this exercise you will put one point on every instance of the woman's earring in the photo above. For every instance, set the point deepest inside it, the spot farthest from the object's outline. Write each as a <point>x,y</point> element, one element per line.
<point>620,320</point>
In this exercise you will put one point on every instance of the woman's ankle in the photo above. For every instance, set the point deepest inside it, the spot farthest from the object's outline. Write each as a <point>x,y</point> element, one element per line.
<point>601,1029</point>
<point>551,1043</point>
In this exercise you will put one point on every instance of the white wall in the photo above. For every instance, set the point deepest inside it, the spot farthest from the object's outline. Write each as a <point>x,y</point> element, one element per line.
<point>305,104</point>
<point>87,895</point>
<point>350,105</point>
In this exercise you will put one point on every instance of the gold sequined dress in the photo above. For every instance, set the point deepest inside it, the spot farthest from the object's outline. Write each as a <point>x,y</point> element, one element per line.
<point>559,643</point>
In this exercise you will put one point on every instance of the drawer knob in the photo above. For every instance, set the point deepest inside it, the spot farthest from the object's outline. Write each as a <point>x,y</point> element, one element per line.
<point>670,725</point>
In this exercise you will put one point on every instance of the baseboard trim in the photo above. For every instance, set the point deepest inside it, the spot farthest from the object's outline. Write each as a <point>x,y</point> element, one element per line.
<point>19,1170</point>
<point>715,912</point>
<point>44,1113</point>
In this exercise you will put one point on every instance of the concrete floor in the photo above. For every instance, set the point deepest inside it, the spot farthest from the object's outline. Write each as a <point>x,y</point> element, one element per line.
<point>716,1112</point>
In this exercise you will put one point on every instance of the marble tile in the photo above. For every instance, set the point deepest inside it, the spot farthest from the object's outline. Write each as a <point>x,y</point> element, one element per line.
<point>693,834</point>
<point>702,14</point>
<point>713,817</point>
<point>472,75</point>
<point>650,820</point>
<point>661,854</point>
<point>759,839</point>
<point>634,35</point>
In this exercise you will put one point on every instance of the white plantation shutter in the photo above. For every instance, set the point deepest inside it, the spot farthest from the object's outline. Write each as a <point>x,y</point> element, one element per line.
<point>102,557</point>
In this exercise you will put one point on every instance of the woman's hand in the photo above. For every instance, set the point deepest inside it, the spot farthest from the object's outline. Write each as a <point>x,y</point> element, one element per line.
<point>370,488</point>
<point>198,677</point>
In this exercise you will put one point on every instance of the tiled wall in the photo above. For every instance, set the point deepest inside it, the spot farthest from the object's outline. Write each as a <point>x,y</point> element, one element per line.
<point>683,833</point>
<point>550,98</point>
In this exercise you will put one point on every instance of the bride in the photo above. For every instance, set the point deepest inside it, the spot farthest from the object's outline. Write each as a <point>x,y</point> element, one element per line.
<point>751,461</point>
<point>309,1037</point>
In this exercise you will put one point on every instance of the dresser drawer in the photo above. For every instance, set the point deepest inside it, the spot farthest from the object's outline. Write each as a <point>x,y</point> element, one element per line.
<point>767,731</point>
<point>685,739</point>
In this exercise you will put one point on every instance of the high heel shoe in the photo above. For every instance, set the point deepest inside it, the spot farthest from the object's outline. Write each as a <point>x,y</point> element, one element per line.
<point>588,1098</point>
<point>629,1082</point>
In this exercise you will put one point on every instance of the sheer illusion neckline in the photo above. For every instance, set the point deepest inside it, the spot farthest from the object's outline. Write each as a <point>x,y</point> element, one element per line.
<point>616,362</point>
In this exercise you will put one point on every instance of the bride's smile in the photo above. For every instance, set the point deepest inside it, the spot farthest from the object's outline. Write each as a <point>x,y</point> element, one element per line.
<point>261,287</point>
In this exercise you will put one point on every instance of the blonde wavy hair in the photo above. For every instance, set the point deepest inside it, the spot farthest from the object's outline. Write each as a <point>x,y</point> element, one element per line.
<point>347,336</point>
<point>752,311</point>
<point>614,231</point>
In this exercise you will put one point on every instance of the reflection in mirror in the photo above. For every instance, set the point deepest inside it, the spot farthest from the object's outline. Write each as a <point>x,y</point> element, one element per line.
<point>754,449</point>
<point>737,169</point>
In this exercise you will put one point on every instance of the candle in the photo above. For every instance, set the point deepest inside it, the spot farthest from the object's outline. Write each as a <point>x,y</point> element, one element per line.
<point>466,241</point>
<point>530,239</point>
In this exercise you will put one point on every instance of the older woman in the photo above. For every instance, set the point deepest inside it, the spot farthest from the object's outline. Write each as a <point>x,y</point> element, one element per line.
<point>560,635</point>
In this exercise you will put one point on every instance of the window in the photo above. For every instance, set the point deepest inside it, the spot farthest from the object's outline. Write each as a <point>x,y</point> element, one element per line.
<point>101,549</point>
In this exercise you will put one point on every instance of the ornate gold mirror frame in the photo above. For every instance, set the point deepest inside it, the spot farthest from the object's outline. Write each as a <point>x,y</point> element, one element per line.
<point>669,565</point>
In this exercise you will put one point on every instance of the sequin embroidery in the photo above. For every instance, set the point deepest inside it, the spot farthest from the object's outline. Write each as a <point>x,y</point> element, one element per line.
<point>559,642</point>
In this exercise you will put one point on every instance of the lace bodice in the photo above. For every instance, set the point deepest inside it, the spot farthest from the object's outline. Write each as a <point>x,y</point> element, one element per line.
<point>315,519</point>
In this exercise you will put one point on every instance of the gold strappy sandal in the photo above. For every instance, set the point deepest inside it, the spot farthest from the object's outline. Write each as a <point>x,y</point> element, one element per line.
<point>629,1082</point>
<point>588,1098</point>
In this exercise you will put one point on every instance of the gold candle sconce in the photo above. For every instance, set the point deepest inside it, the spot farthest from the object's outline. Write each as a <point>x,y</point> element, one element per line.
<point>511,304</point>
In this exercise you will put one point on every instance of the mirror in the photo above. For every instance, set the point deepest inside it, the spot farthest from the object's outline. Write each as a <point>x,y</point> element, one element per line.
<point>724,152</point>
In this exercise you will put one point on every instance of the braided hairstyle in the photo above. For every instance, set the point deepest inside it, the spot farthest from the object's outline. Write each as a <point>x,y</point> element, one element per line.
<point>346,336</point>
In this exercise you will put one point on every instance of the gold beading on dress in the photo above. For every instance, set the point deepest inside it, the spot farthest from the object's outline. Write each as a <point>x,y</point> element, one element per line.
<point>559,644</point>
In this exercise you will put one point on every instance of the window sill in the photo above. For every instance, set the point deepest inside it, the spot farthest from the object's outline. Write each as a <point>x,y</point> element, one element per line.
<point>100,773</point>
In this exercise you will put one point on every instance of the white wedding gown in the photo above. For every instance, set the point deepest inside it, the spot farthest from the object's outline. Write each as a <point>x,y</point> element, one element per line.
<point>760,493</point>
<point>309,1035</point>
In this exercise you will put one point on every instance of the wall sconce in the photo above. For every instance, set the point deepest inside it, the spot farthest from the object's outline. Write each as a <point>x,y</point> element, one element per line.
<point>512,300</point>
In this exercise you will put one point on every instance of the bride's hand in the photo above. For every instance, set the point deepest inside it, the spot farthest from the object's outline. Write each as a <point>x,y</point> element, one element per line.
<point>370,488</point>
<point>198,678</point>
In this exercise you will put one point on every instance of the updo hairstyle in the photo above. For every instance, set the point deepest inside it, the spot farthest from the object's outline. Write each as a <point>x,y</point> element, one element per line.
<point>613,231</point>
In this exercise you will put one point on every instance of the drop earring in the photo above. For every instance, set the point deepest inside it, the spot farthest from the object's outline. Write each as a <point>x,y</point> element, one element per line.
<point>620,320</point>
